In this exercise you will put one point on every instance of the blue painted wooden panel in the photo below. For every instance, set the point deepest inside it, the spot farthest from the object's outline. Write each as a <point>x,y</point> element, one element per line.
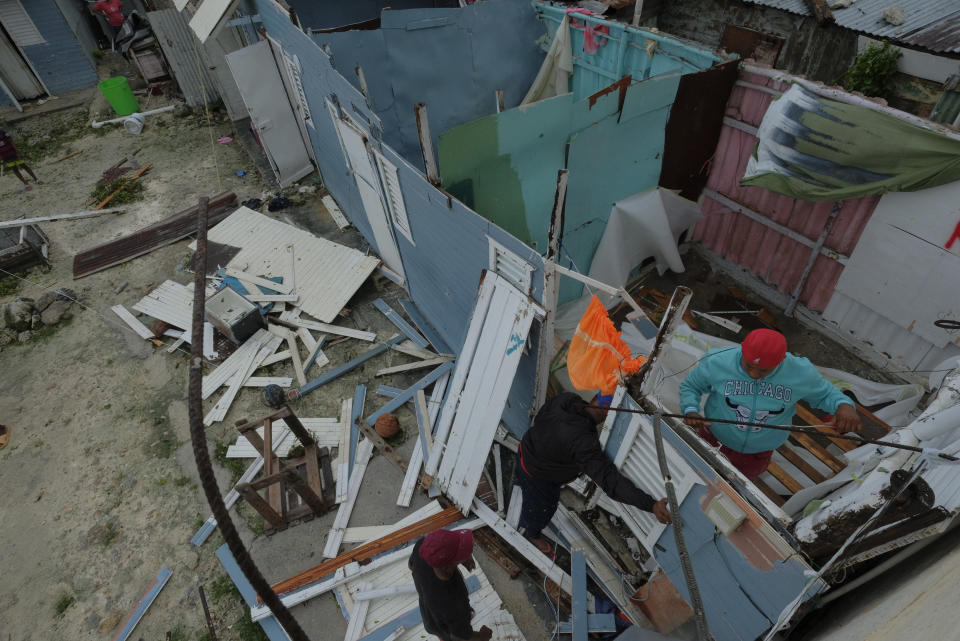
<point>270,627</point>
<point>467,48</point>
<point>61,62</point>
<point>338,13</point>
<point>443,269</point>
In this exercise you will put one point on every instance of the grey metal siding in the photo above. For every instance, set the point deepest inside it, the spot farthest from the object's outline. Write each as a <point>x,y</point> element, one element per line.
<point>182,52</point>
<point>452,248</point>
<point>61,63</point>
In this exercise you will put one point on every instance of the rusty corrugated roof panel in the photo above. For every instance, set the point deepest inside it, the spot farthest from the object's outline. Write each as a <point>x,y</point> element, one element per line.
<point>931,24</point>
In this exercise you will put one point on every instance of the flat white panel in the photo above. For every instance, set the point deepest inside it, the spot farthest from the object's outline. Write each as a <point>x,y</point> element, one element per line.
<point>18,24</point>
<point>902,267</point>
<point>327,274</point>
<point>258,78</point>
<point>208,16</point>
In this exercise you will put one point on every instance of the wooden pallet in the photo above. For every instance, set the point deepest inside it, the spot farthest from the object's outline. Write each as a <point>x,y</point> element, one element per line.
<point>817,446</point>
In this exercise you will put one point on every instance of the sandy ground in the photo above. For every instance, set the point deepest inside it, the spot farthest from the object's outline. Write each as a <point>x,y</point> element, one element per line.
<point>100,490</point>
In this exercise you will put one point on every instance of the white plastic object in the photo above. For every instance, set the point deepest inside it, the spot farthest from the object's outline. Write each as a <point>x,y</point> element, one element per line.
<point>725,514</point>
<point>133,124</point>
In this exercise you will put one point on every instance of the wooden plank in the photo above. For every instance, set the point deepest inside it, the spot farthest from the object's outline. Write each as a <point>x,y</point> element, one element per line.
<point>330,329</point>
<point>19,222</point>
<point>408,348</point>
<point>412,475</point>
<point>251,279</point>
<point>295,357</point>
<point>409,392</point>
<point>276,358</point>
<point>343,459</point>
<point>424,326</point>
<point>407,367</point>
<point>369,550</point>
<point>873,418</point>
<point>335,212</point>
<point>797,461</point>
<point>316,354</point>
<point>792,484</point>
<point>828,459</point>
<point>812,419</point>
<point>335,373</point>
<point>401,324</point>
<point>358,617</point>
<point>578,612</point>
<point>263,381</point>
<point>208,351</point>
<point>335,537</point>
<point>123,186</point>
<point>219,411</point>
<point>369,533</point>
<point>220,376</point>
<point>142,330</point>
<point>145,602</point>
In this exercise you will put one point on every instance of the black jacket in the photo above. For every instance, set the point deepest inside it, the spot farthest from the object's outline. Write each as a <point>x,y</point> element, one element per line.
<point>562,444</point>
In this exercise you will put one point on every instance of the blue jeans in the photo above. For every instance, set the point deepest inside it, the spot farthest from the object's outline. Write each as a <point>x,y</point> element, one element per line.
<point>540,500</point>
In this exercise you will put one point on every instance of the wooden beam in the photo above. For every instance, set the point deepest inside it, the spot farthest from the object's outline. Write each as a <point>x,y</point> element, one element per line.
<point>768,491</point>
<point>406,367</point>
<point>426,144</point>
<point>20,222</point>
<point>781,475</point>
<point>813,420</point>
<point>797,461</point>
<point>369,550</point>
<point>828,459</point>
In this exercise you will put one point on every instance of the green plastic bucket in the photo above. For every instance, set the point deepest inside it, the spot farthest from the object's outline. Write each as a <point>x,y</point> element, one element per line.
<point>119,95</point>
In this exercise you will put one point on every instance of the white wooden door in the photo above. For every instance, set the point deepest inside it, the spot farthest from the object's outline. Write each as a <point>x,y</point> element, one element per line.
<point>486,367</point>
<point>354,142</point>
<point>262,89</point>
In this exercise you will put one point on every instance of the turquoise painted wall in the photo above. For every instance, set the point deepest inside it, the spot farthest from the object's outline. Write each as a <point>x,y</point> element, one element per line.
<point>505,166</point>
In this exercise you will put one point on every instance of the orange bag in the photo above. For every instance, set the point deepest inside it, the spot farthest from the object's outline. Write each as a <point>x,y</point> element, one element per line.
<point>598,357</point>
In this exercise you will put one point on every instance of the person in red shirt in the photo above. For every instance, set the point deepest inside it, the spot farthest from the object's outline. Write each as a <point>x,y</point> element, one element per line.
<point>112,10</point>
<point>10,159</point>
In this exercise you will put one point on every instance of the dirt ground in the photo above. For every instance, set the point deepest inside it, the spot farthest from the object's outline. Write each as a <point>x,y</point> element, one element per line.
<point>100,489</point>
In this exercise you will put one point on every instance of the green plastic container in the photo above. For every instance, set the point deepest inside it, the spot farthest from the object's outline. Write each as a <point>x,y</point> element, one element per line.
<point>119,95</point>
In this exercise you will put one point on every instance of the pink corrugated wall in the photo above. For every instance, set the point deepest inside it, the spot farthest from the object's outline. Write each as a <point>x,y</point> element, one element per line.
<point>777,259</point>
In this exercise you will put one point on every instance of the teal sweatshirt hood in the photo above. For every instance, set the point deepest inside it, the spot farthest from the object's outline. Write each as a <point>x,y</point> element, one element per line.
<point>771,400</point>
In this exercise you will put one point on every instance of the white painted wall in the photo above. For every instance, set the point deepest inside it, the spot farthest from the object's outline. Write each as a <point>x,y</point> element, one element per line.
<point>919,64</point>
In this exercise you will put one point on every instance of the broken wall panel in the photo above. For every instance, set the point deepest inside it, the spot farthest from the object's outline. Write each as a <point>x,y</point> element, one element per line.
<point>180,49</point>
<point>777,258</point>
<point>505,166</point>
<point>466,47</point>
<point>452,243</point>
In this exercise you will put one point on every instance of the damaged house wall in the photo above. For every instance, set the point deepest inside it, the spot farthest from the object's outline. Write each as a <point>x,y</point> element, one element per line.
<point>445,58</point>
<point>505,166</point>
<point>818,52</point>
<point>451,243</point>
<point>55,54</point>
<point>771,237</point>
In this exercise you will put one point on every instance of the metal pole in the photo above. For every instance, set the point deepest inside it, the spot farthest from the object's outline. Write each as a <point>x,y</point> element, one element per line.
<point>814,252</point>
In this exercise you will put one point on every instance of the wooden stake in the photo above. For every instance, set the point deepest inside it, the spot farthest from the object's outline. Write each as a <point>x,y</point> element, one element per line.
<point>124,185</point>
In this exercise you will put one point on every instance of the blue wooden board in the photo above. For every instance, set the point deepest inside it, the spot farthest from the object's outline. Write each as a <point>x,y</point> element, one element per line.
<point>270,626</point>
<point>595,623</point>
<point>143,605</point>
<point>425,327</point>
<point>578,608</point>
<point>401,324</point>
<point>409,392</point>
<point>325,378</point>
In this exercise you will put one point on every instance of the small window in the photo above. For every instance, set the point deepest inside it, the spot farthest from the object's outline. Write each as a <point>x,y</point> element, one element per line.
<point>18,24</point>
<point>391,189</point>
<point>296,78</point>
<point>504,262</point>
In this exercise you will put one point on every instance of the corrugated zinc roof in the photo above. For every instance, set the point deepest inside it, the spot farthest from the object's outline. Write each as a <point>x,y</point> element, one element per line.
<point>931,24</point>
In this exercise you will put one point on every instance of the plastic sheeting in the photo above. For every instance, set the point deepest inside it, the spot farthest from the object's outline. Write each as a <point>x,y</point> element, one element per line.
<point>553,79</point>
<point>816,149</point>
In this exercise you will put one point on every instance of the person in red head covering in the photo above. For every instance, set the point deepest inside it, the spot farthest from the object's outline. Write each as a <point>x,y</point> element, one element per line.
<point>444,599</point>
<point>756,384</point>
<point>112,10</point>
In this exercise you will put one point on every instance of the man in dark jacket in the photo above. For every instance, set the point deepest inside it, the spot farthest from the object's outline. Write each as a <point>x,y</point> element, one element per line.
<point>561,445</point>
<point>444,599</point>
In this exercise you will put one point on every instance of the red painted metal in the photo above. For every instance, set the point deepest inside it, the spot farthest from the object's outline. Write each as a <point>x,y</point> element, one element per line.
<point>777,259</point>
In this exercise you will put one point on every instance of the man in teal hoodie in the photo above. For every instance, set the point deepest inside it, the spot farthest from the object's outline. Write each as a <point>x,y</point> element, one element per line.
<point>758,382</point>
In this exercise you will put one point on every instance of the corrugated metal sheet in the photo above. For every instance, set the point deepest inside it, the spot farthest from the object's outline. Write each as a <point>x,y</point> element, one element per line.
<point>931,24</point>
<point>326,274</point>
<point>777,259</point>
<point>912,351</point>
<point>181,49</point>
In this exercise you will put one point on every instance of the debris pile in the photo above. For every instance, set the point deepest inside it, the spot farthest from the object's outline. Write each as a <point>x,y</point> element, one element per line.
<point>23,317</point>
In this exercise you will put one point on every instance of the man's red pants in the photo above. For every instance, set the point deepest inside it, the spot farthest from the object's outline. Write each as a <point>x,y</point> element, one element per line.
<point>752,465</point>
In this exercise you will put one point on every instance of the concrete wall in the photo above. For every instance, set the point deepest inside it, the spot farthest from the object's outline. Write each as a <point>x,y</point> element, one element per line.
<point>820,53</point>
<point>451,249</point>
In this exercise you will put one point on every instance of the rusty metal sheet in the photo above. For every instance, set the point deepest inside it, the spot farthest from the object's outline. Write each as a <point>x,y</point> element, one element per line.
<point>165,232</point>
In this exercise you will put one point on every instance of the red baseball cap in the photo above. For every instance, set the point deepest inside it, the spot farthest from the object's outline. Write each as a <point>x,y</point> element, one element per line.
<point>446,547</point>
<point>764,348</point>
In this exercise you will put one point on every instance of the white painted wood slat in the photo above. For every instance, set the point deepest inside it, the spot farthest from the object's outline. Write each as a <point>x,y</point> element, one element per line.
<point>335,537</point>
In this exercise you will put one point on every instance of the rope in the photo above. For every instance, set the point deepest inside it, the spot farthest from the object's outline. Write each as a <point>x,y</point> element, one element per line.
<point>802,429</point>
<point>202,455</point>
<point>206,111</point>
